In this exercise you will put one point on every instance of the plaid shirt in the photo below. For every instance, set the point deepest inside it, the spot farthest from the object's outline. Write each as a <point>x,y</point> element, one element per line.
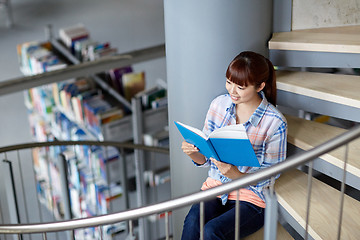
<point>266,129</point>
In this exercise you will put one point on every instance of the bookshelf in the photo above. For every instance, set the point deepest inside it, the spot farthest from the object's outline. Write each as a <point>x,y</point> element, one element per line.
<point>94,185</point>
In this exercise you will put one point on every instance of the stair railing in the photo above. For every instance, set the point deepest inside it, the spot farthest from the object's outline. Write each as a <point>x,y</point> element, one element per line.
<point>167,206</point>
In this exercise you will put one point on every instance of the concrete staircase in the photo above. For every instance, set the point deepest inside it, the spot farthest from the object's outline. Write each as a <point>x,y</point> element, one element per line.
<point>334,95</point>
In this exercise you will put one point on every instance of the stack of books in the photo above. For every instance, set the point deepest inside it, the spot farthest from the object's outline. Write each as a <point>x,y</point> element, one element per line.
<point>72,34</point>
<point>85,105</point>
<point>154,97</point>
<point>36,57</point>
<point>77,39</point>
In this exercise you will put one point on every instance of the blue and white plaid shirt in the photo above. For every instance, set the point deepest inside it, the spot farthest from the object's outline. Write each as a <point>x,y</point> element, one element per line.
<point>267,132</point>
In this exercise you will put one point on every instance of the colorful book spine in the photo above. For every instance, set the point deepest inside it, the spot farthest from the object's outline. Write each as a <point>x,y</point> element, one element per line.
<point>116,77</point>
<point>132,84</point>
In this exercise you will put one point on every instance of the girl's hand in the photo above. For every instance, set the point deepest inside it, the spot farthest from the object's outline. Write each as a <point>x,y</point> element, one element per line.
<point>189,148</point>
<point>227,170</point>
<point>193,153</point>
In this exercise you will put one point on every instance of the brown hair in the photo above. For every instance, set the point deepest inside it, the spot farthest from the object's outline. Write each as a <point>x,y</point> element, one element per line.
<point>250,68</point>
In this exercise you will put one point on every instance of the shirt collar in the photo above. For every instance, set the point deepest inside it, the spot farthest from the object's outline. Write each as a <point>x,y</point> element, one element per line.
<point>257,115</point>
<point>260,111</point>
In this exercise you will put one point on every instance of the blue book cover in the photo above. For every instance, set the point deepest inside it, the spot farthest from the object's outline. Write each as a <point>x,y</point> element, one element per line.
<point>228,144</point>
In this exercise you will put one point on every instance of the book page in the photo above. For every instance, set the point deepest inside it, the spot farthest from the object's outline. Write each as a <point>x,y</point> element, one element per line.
<point>195,130</point>
<point>198,139</point>
<point>232,131</point>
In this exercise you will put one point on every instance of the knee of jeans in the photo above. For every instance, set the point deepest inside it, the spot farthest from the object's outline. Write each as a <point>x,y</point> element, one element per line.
<point>210,230</point>
<point>191,220</point>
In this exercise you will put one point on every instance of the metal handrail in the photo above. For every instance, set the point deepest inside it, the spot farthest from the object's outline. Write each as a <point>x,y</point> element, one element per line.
<point>291,162</point>
<point>89,143</point>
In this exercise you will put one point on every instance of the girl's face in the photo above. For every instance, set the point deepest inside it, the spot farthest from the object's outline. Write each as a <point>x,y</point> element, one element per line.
<point>243,94</point>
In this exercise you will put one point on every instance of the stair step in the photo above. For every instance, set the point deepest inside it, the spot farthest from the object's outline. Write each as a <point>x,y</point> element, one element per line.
<point>334,95</point>
<point>282,234</point>
<point>291,189</point>
<point>336,39</point>
<point>342,89</point>
<point>306,135</point>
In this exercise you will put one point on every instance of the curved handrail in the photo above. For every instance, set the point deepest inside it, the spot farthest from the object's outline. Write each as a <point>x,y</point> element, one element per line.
<point>90,143</point>
<point>290,163</point>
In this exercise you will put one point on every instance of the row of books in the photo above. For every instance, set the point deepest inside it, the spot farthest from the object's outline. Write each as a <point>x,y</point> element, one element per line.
<point>68,105</point>
<point>77,39</point>
<point>37,57</point>
<point>40,103</point>
<point>88,106</point>
<point>90,191</point>
<point>48,182</point>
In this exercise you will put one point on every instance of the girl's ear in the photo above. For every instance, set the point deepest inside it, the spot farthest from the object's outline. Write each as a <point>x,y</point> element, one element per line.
<point>261,87</point>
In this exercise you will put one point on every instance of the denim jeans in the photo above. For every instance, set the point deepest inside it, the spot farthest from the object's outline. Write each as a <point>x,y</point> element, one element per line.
<point>220,220</point>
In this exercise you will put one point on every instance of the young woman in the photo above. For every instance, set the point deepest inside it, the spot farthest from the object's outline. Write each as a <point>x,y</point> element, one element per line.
<point>251,100</point>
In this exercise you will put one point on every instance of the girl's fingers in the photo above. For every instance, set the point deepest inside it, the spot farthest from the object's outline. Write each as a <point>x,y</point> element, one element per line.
<point>216,162</point>
<point>188,148</point>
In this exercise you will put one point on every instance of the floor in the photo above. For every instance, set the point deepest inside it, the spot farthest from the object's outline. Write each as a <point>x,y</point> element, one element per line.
<point>127,25</point>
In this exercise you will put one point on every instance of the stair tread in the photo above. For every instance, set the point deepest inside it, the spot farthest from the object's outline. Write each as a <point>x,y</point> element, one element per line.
<point>282,234</point>
<point>338,88</point>
<point>337,39</point>
<point>291,189</point>
<point>306,134</point>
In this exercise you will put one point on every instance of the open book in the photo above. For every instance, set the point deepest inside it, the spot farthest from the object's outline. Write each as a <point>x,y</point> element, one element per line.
<point>228,144</point>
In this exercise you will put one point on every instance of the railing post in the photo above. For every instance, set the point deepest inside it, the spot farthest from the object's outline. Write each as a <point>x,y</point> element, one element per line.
<point>271,214</point>
<point>63,169</point>
<point>202,222</point>
<point>124,177</point>
<point>9,210</point>
<point>237,215</point>
<point>343,190</point>
<point>137,121</point>
<point>309,187</point>
<point>167,231</point>
<point>8,11</point>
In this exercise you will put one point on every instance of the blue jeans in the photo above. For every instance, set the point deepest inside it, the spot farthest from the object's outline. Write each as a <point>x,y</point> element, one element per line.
<point>220,220</point>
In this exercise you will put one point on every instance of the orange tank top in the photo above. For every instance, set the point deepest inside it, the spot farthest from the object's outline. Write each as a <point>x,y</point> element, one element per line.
<point>244,194</point>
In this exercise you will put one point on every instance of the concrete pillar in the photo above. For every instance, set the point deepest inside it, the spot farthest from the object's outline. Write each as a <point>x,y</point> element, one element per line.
<point>201,38</point>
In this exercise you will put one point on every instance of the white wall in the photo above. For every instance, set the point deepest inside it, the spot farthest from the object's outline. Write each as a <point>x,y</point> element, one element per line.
<point>325,13</point>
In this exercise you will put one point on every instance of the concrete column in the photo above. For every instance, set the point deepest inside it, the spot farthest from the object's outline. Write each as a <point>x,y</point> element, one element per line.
<point>202,37</point>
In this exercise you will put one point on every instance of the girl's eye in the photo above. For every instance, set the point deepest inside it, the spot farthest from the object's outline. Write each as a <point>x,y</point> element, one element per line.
<point>241,88</point>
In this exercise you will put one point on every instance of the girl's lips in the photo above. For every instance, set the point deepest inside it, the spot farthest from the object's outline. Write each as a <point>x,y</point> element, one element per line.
<point>234,98</point>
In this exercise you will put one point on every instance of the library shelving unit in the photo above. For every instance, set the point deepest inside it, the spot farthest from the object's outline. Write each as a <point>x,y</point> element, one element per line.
<point>99,179</point>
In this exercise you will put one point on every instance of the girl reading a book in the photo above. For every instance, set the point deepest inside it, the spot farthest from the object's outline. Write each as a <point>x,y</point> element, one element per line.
<point>251,100</point>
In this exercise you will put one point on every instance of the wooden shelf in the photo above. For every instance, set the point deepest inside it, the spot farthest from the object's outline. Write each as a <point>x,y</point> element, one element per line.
<point>122,129</point>
<point>340,40</point>
<point>291,189</point>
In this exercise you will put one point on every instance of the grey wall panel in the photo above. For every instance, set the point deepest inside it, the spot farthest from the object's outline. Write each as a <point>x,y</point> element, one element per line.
<point>282,16</point>
<point>310,104</point>
<point>314,59</point>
